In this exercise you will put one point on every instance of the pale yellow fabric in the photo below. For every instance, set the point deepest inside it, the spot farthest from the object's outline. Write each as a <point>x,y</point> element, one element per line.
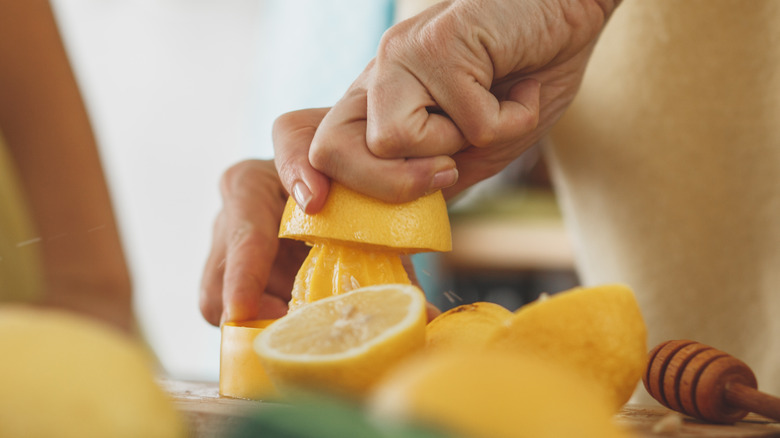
<point>20,267</point>
<point>667,166</point>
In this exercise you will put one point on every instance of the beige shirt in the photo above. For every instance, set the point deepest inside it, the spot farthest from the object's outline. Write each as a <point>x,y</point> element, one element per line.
<point>20,258</point>
<point>667,166</point>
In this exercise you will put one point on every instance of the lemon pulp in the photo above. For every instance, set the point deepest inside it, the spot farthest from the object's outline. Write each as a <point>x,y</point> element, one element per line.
<point>344,343</point>
<point>332,269</point>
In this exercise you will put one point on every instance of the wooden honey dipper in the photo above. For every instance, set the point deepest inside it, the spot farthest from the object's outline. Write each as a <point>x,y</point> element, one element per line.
<point>705,383</point>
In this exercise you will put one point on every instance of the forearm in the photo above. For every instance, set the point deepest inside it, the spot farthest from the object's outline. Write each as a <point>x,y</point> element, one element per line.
<point>49,135</point>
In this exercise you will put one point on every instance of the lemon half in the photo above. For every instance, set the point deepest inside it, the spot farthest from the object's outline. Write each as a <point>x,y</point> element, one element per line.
<point>597,331</point>
<point>356,219</point>
<point>358,241</point>
<point>345,343</point>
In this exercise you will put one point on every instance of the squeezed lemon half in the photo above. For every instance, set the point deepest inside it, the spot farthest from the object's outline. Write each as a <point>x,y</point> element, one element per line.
<point>358,241</point>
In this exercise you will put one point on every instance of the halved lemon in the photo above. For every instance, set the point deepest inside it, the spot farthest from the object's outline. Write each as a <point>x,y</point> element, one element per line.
<point>356,219</point>
<point>343,344</point>
<point>358,241</point>
<point>596,331</point>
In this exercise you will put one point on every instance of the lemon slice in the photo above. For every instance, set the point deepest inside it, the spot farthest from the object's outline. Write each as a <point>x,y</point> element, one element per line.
<point>345,343</point>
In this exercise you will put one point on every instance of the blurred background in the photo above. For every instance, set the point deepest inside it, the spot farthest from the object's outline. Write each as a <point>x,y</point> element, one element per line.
<point>178,90</point>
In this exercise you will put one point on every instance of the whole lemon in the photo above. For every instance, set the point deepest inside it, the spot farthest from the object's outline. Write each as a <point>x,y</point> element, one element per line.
<point>62,375</point>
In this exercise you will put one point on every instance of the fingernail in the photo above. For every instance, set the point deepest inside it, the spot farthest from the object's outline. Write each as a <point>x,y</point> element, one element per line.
<point>302,194</point>
<point>443,179</point>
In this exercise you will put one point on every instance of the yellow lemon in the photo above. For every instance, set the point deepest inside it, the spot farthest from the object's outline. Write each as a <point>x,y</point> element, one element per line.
<point>62,375</point>
<point>466,326</point>
<point>493,394</point>
<point>358,241</point>
<point>332,269</point>
<point>356,219</point>
<point>598,331</point>
<point>345,343</point>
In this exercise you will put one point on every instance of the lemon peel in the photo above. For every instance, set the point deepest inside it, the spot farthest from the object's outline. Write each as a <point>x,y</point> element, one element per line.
<point>358,241</point>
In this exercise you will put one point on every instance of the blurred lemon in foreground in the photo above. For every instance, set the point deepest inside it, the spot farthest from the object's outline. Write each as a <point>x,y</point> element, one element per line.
<point>358,240</point>
<point>598,331</point>
<point>343,344</point>
<point>465,326</point>
<point>62,375</point>
<point>494,395</point>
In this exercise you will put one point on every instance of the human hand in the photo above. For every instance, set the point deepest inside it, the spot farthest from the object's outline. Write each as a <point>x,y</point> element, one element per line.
<point>454,95</point>
<point>249,272</point>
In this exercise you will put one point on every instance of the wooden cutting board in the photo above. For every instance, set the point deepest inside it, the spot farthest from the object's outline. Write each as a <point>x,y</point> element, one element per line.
<point>210,415</point>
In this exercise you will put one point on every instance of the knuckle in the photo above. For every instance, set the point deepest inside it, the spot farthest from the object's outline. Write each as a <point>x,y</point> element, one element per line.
<point>394,41</point>
<point>481,135</point>
<point>289,120</point>
<point>235,176</point>
<point>411,186</point>
<point>389,141</point>
<point>322,155</point>
<point>246,235</point>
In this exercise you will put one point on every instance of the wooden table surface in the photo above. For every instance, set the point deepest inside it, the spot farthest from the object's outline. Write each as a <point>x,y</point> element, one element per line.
<point>210,415</point>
